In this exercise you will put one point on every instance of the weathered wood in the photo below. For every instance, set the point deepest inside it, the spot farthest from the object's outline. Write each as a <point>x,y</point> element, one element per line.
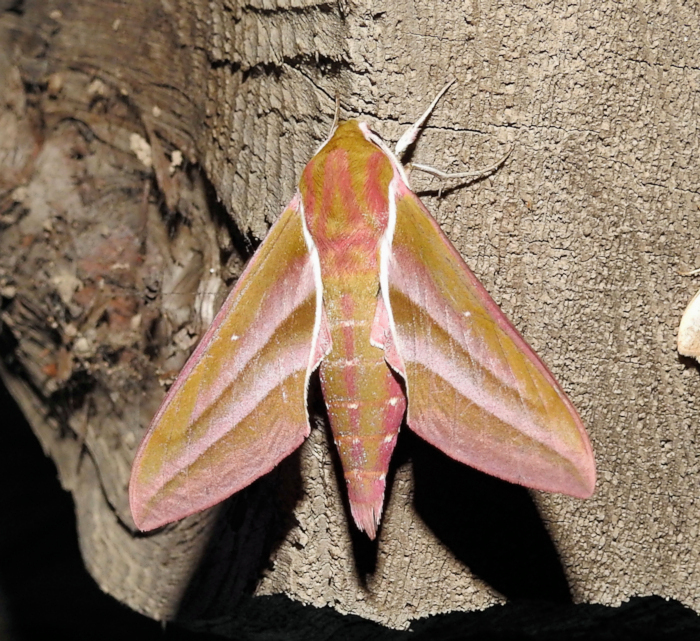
<point>139,140</point>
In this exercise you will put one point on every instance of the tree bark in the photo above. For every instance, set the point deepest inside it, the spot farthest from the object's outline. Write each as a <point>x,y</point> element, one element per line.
<point>145,147</point>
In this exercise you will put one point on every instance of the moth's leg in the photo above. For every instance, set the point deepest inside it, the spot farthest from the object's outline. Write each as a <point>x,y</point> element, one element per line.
<point>463,174</point>
<point>411,133</point>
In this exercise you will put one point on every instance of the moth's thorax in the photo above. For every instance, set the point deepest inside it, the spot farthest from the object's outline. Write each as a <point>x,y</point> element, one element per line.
<point>345,192</point>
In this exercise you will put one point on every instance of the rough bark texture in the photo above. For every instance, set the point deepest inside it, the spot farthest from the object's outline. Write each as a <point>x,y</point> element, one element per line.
<point>137,139</point>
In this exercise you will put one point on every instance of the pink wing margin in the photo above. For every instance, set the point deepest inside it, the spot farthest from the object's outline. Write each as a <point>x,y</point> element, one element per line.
<point>475,388</point>
<point>239,405</point>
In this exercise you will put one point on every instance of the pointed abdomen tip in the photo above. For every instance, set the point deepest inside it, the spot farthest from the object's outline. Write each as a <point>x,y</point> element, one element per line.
<point>366,518</point>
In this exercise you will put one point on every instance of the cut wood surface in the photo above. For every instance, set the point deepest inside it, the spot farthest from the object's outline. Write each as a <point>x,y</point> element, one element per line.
<point>145,149</point>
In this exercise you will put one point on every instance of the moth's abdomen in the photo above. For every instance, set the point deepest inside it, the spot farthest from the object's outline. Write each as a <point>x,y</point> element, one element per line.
<point>365,404</point>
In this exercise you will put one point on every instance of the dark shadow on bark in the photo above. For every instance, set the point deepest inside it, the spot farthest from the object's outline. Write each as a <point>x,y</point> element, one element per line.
<point>490,525</point>
<point>45,590</point>
<point>688,362</point>
<point>249,526</point>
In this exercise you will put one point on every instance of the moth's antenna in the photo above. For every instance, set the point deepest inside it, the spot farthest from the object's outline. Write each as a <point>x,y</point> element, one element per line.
<point>334,126</point>
<point>336,116</point>
<point>411,133</point>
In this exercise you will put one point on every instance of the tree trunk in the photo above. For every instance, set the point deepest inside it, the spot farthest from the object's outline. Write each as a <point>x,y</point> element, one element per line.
<point>145,147</point>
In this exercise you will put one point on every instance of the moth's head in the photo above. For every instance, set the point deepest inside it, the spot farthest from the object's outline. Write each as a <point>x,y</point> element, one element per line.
<point>344,134</point>
<point>352,137</point>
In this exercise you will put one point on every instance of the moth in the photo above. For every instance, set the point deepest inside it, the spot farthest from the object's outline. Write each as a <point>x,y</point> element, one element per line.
<point>356,279</point>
